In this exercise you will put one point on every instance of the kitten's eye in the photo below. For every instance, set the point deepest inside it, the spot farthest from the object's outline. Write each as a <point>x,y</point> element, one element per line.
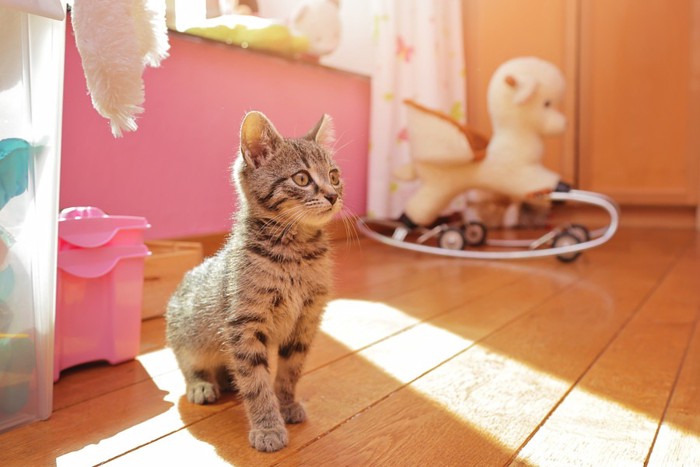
<point>335,177</point>
<point>302,178</point>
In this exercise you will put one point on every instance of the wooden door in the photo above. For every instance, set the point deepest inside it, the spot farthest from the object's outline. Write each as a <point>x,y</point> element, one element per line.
<point>639,84</point>
<point>498,30</point>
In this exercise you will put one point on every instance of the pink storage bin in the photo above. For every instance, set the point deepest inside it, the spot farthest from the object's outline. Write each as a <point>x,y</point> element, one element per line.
<point>99,288</point>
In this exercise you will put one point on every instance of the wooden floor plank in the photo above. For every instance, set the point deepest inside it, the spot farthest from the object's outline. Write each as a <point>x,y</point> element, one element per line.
<point>425,360</point>
<point>631,382</point>
<point>502,388</point>
<point>613,413</point>
<point>351,324</point>
<point>678,439</point>
<point>103,427</point>
<point>470,323</point>
<point>70,391</point>
<point>331,395</point>
<point>104,379</point>
<point>336,392</point>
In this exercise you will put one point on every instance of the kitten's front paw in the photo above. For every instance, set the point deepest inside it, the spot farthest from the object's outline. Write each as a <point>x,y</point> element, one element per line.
<point>293,413</point>
<point>268,439</point>
<point>202,393</point>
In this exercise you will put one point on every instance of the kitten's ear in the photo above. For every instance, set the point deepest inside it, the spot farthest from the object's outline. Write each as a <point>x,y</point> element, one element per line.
<point>259,139</point>
<point>323,133</point>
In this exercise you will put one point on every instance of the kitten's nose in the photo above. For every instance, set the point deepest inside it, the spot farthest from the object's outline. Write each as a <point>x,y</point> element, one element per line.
<point>331,197</point>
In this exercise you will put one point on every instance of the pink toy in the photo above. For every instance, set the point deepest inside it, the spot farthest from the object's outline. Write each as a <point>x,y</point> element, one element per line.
<point>100,285</point>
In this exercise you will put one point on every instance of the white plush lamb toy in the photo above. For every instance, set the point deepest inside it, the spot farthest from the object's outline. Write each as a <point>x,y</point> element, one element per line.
<point>450,159</point>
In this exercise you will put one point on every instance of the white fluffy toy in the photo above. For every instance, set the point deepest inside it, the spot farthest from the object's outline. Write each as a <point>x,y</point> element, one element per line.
<point>450,159</point>
<point>319,21</point>
<point>116,40</point>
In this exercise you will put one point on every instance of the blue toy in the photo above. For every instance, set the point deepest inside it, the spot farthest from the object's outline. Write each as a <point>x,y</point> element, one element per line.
<point>14,168</point>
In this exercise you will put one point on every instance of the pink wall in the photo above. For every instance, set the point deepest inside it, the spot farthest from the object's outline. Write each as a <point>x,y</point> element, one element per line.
<point>174,170</point>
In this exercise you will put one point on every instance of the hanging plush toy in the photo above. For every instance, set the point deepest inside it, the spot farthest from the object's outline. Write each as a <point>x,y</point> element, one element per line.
<point>449,159</point>
<point>116,39</point>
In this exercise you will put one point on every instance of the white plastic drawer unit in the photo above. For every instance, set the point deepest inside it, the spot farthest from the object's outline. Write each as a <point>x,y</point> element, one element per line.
<point>32,40</point>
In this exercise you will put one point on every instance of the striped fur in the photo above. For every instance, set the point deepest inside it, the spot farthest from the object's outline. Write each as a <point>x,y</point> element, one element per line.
<point>266,289</point>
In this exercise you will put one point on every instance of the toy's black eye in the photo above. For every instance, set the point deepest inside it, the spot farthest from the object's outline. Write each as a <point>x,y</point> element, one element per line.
<point>335,177</point>
<point>547,103</point>
<point>302,178</point>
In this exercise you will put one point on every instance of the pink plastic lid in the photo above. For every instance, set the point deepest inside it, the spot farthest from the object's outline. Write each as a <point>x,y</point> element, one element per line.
<point>93,263</point>
<point>90,227</point>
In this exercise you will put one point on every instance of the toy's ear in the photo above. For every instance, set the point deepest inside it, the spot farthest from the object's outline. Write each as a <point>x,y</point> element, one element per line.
<point>323,132</point>
<point>524,87</point>
<point>259,139</point>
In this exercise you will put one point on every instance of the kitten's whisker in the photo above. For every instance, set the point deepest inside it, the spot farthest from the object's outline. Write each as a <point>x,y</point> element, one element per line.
<point>339,138</point>
<point>296,220</point>
<point>339,148</point>
<point>348,234</point>
<point>350,227</point>
<point>297,213</point>
<point>278,223</point>
<point>282,221</point>
<point>273,220</point>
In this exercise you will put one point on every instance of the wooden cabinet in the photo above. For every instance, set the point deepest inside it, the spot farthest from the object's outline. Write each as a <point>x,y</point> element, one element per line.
<point>633,97</point>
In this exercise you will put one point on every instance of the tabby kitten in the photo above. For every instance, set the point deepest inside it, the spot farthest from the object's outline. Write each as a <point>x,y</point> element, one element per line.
<point>268,286</point>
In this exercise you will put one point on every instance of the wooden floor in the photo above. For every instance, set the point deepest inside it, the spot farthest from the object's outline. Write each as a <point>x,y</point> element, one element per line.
<point>430,361</point>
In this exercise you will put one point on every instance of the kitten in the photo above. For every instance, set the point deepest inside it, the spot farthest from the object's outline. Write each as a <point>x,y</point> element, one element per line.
<point>268,285</point>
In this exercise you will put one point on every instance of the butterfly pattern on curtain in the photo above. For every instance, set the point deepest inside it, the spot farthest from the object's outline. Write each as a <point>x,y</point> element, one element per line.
<point>419,56</point>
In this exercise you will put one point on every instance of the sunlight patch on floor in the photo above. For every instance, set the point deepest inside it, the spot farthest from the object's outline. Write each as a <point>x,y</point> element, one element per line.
<point>125,440</point>
<point>500,396</point>
<point>676,446</point>
<point>170,389</point>
<point>357,323</point>
<point>593,428</point>
<point>186,448</point>
<point>158,362</point>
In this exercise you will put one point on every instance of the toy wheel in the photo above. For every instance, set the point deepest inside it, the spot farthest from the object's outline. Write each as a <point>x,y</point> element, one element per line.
<point>579,231</point>
<point>475,233</point>
<point>566,239</point>
<point>452,239</point>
